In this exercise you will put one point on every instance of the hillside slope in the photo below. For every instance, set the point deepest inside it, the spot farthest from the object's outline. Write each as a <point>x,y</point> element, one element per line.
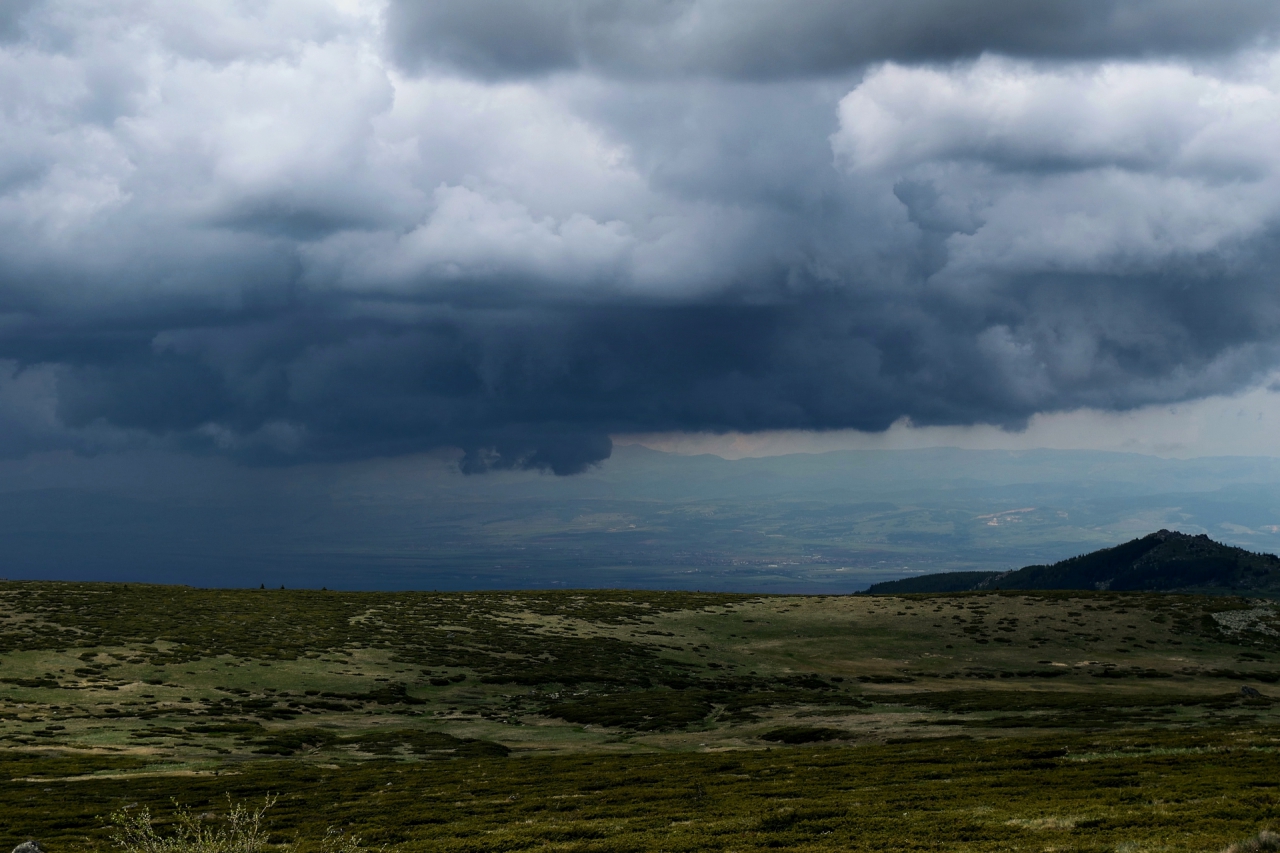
<point>582,721</point>
<point>1160,562</point>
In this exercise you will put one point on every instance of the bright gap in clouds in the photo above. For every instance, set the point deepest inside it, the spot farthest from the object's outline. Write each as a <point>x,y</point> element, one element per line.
<point>1241,425</point>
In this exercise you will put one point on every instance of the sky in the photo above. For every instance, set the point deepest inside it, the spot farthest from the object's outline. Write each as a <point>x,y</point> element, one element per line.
<point>1245,424</point>
<point>290,232</point>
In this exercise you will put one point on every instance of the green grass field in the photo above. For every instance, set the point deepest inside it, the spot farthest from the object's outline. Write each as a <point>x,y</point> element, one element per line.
<point>617,721</point>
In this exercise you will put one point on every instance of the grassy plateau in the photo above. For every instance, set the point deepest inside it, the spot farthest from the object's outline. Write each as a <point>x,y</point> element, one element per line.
<point>636,721</point>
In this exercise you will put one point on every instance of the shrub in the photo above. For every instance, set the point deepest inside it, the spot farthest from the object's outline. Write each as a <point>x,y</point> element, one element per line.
<point>804,734</point>
<point>240,831</point>
<point>1263,841</point>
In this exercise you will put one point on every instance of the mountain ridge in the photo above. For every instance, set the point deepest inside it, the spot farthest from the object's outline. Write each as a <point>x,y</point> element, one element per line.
<point>1164,561</point>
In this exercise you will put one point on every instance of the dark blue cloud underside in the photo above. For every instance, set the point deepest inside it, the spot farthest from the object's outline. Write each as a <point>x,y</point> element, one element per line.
<point>770,40</point>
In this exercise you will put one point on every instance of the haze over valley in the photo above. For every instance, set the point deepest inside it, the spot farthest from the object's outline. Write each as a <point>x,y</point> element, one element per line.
<point>833,522</point>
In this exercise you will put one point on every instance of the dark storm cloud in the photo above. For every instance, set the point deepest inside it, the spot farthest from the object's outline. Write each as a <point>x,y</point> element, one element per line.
<point>543,389</point>
<point>249,235</point>
<point>762,39</point>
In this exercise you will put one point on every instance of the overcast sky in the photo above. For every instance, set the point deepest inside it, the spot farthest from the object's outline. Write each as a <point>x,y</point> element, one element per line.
<point>298,231</point>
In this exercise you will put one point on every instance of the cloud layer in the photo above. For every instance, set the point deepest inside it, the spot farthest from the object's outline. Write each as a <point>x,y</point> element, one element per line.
<point>772,39</point>
<point>301,231</point>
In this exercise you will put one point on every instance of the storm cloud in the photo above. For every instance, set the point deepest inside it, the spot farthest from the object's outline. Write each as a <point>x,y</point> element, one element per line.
<point>769,39</point>
<point>310,231</point>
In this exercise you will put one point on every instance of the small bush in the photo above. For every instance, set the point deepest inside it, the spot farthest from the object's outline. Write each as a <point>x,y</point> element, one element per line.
<point>804,734</point>
<point>239,832</point>
<point>1263,841</point>
<point>339,842</point>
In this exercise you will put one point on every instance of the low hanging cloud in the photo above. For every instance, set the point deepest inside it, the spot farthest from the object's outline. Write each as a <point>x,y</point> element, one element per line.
<point>312,232</point>
<point>772,39</point>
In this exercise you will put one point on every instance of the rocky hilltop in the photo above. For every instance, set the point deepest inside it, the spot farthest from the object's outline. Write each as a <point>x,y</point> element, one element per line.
<point>1164,561</point>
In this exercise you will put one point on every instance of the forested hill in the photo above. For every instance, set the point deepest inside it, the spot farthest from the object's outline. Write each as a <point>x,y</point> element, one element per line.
<point>1162,561</point>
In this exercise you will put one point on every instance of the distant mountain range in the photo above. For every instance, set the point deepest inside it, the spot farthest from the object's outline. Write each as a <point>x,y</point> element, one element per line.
<point>1165,561</point>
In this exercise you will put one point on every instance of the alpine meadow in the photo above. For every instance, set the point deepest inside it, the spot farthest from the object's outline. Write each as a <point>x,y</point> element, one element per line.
<point>594,720</point>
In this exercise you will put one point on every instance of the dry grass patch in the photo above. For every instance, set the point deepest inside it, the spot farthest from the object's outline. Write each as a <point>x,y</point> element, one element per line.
<point>1263,841</point>
<point>1040,823</point>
